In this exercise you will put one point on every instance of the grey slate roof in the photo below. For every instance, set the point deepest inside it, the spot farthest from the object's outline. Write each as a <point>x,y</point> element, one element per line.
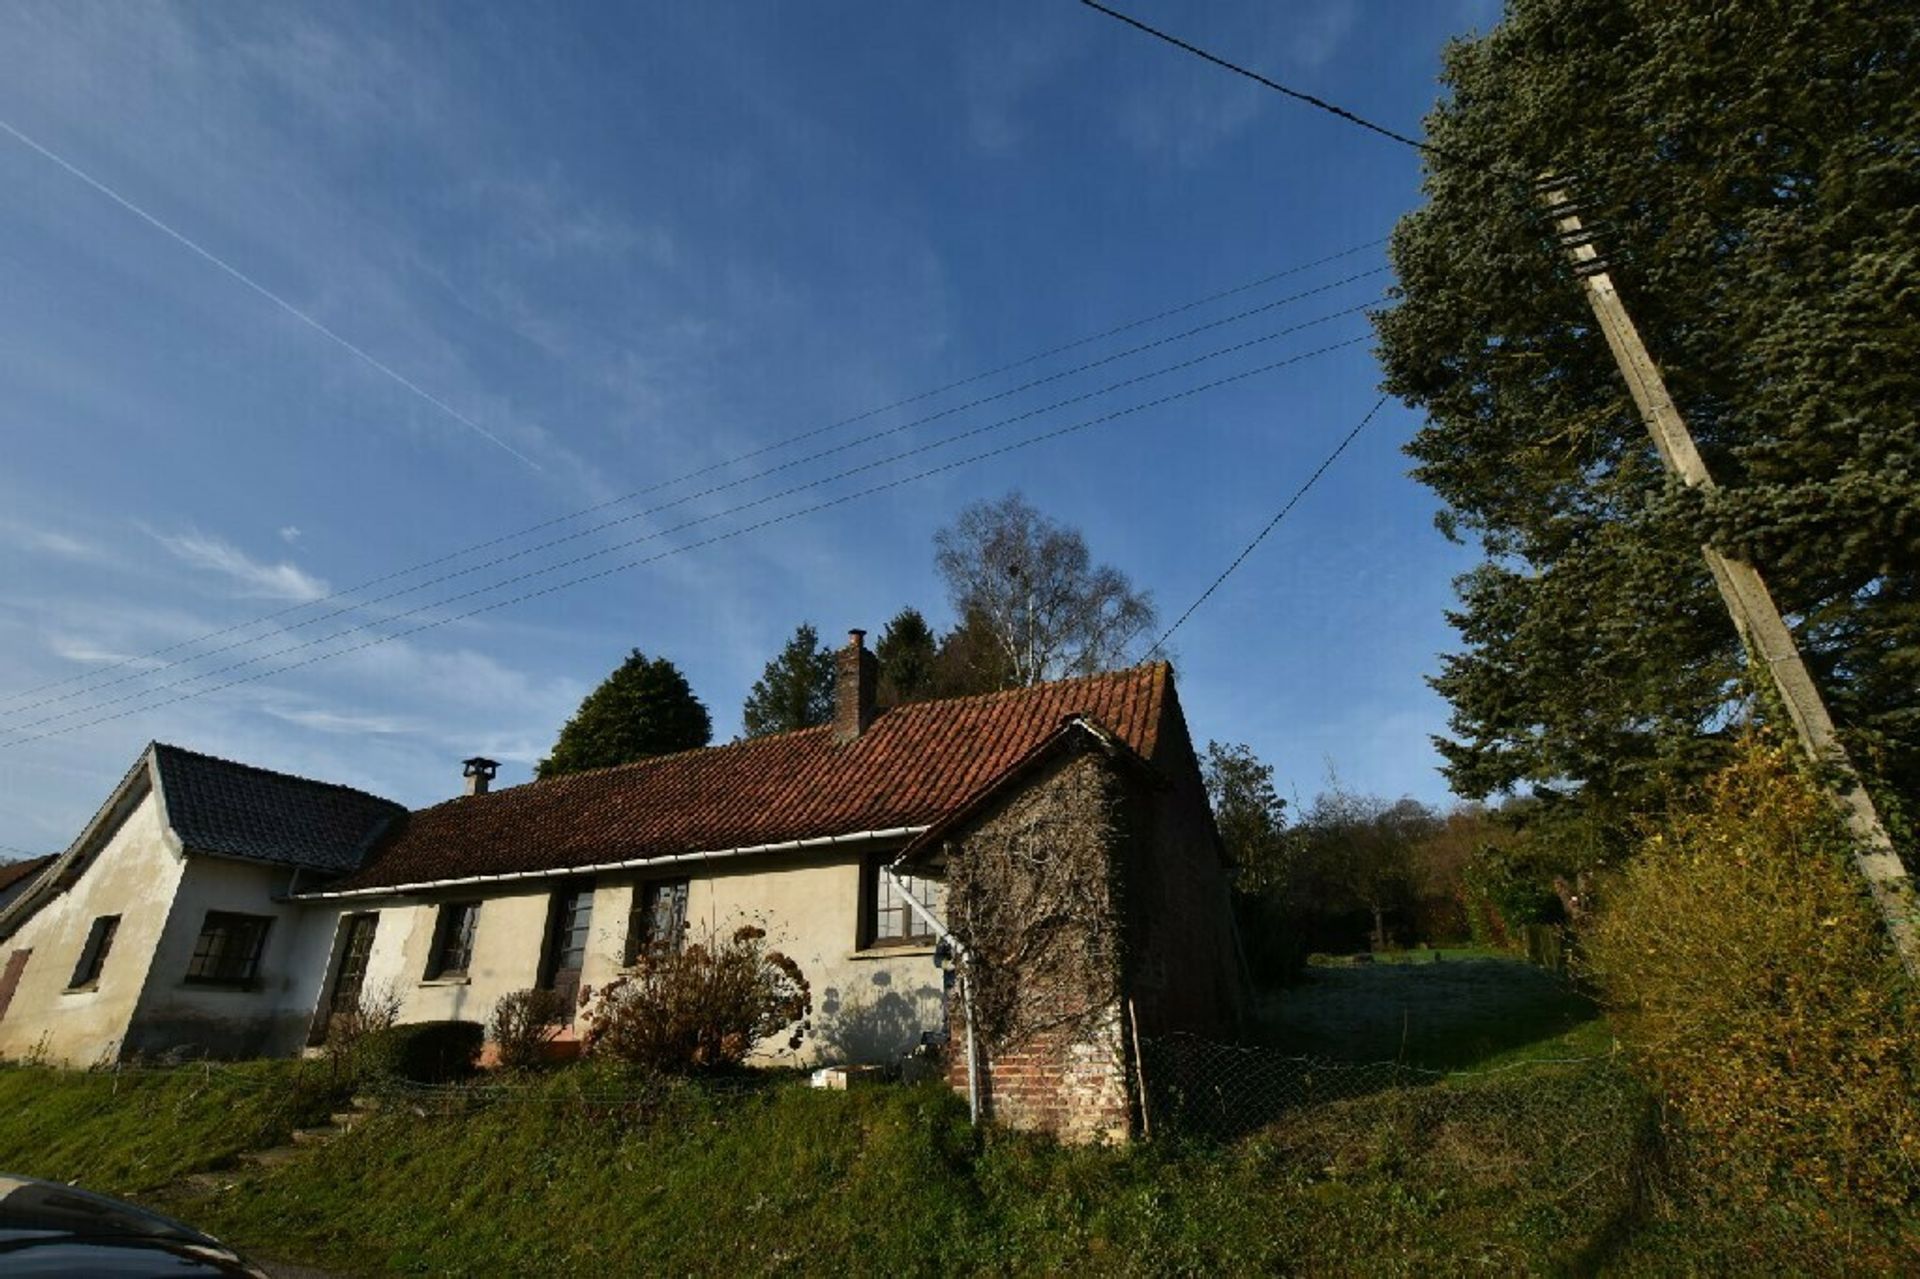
<point>236,810</point>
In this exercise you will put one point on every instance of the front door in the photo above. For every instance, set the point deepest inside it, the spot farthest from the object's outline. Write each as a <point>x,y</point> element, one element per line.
<point>356,943</point>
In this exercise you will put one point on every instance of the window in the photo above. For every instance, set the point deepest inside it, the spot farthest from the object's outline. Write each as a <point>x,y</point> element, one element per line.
<point>227,952</point>
<point>86,974</point>
<point>568,921</point>
<point>890,920</point>
<point>659,917</point>
<point>453,941</point>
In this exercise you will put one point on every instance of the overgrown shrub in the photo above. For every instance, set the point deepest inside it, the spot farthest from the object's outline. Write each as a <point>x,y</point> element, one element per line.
<point>348,1033</point>
<point>524,1022</point>
<point>702,1006</point>
<point>425,1052</point>
<point>1749,976</point>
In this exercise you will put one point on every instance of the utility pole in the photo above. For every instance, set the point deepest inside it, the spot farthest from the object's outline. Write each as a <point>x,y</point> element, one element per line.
<point>1769,643</point>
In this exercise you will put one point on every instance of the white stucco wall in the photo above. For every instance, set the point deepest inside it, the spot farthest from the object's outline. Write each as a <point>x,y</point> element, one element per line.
<point>267,1017</point>
<point>133,875</point>
<point>869,1006</point>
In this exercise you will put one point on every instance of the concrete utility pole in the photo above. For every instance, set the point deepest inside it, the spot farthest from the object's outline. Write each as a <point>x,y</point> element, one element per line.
<point>1769,643</point>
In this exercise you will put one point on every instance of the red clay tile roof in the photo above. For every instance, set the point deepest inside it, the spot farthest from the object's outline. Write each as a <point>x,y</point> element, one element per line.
<point>914,765</point>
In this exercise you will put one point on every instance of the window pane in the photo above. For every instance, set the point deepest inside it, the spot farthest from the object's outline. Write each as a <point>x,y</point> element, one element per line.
<point>453,948</point>
<point>228,948</point>
<point>658,918</point>
<point>93,956</point>
<point>895,921</point>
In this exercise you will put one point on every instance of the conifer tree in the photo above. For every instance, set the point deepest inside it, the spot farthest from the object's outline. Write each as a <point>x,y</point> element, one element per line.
<point>795,690</point>
<point>645,707</point>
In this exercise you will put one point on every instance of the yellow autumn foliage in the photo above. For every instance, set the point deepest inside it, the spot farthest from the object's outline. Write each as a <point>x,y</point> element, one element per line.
<point>1748,976</point>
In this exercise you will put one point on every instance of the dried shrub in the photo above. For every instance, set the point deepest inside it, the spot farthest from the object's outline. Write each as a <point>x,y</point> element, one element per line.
<point>349,1032</point>
<point>524,1022</point>
<point>702,1006</point>
<point>1750,978</point>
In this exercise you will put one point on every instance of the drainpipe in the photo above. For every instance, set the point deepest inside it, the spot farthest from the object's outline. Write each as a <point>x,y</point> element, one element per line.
<point>965,957</point>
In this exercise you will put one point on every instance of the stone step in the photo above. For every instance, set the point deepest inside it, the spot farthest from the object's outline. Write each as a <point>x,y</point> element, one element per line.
<point>346,1119</point>
<point>366,1101</point>
<point>314,1136</point>
<point>271,1158</point>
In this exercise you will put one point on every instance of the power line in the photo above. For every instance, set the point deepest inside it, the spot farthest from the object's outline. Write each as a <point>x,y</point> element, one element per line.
<point>551,588</point>
<point>604,551</point>
<point>422,566</point>
<point>270,295</point>
<point>90,689</point>
<point>1159,645</point>
<point>1298,95</point>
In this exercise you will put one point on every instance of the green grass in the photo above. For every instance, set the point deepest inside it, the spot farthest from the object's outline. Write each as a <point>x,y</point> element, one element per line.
<point>1468,1010</point>
<point>786,1179</point>
<point>1521,1171</point>
<point>133,1131</point>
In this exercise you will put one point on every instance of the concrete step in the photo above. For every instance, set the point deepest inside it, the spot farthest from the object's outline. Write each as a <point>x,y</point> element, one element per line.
<point>314,1136</point>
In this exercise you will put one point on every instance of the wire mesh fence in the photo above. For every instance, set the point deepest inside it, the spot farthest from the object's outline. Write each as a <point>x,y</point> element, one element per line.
<point>1559,1124</point>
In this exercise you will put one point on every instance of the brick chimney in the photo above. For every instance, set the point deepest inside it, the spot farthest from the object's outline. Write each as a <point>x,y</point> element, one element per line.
<point>479,773</point>
<point>856,676</point>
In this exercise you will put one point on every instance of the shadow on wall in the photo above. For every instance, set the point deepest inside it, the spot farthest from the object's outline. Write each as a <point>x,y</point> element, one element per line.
<point>876,1024</point>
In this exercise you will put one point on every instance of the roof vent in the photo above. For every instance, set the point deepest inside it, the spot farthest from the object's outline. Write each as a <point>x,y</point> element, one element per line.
<point>479,773</point>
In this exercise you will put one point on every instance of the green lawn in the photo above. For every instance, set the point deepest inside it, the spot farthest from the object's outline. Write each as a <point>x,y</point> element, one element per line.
<point>1439,1009</point>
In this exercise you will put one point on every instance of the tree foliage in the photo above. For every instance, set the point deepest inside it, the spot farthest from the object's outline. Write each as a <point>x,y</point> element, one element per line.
<point>645,707</point>
<point>795,690</point>
<point>1250,814</point>
<point>1757,168</point>
<point>1030,585</point>
<point>909,656</point>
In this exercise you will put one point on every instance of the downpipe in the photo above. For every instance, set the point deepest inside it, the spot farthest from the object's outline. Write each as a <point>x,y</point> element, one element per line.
<point>965,958</point>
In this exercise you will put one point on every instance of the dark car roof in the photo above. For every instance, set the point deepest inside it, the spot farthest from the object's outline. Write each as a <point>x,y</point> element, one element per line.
<point>50,1229</point>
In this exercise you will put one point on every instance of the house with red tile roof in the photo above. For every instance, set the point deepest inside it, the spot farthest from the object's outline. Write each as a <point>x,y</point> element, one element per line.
<point>839,840</point>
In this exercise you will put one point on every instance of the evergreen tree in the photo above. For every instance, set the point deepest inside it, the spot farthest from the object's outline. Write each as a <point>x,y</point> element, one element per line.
<point>1754,170</point>
<point>644,708</point>
<point>973,660</point>
<point>796,689</point>
<point>907,653</point>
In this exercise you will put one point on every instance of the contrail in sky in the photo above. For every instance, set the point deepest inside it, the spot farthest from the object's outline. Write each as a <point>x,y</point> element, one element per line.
<point>269,295</point>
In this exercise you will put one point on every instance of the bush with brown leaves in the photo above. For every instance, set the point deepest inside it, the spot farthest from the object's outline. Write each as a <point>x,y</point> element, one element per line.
<point>702,1006</point>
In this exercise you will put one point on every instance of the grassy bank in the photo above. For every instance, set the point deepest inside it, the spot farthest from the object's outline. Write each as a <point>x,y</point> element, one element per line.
<point>1530,1169</point>
<point>788,1179</point>
<point>134,1131</point>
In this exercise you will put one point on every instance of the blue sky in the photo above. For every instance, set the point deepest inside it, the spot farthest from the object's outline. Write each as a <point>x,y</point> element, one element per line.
<point>596,248</point>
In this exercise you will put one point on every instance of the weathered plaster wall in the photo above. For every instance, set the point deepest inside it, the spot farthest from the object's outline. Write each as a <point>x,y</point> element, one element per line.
<point>134,876</point>
<point>869,1006</point>
<point>268,1016</point>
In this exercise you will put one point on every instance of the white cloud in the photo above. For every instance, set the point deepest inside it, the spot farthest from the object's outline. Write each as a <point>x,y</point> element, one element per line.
<point>325,721</point>
<point>290,534</point>
<point>49,542</point>
<point>254,577</point>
